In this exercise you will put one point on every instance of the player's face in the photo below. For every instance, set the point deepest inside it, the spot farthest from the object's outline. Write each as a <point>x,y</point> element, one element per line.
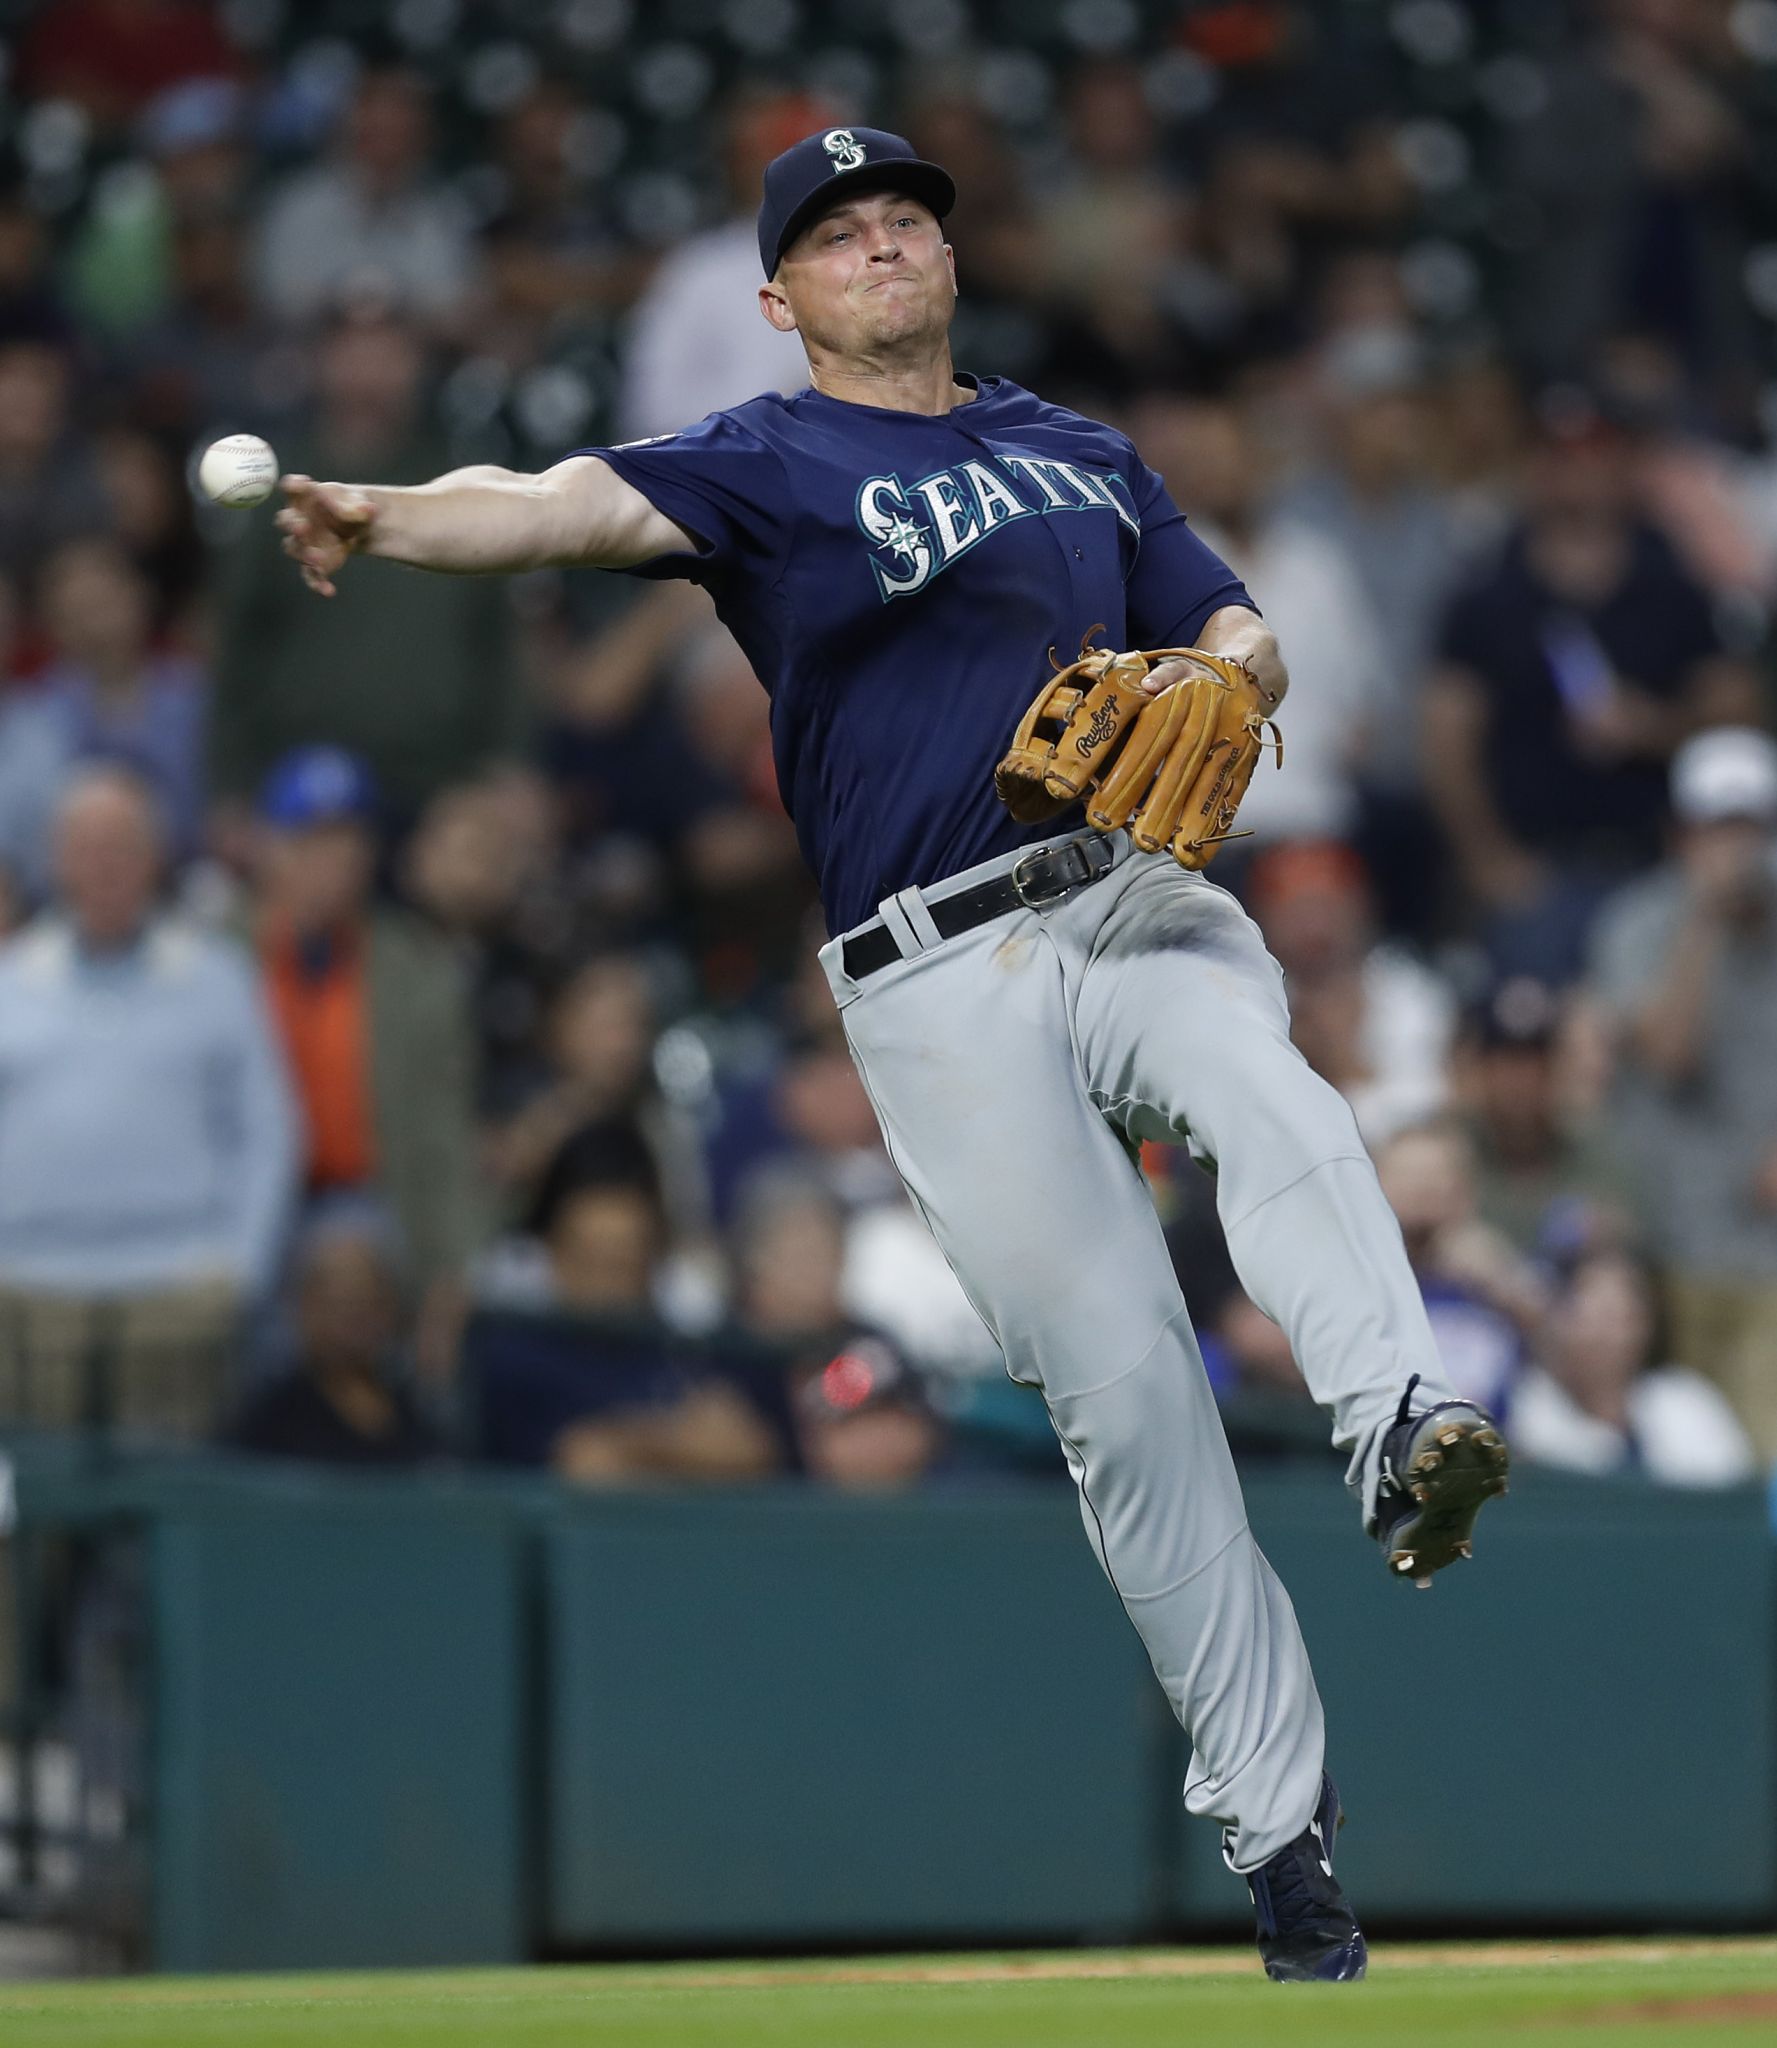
<point>875,273</point>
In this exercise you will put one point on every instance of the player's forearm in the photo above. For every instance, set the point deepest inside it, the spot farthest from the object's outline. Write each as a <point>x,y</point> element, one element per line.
<point>483,520</point>
<point>1243,636</point>
<point>474,521</point>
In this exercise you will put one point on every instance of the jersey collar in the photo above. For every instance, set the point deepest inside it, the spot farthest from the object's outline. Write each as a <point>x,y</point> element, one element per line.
<point>987,389</point>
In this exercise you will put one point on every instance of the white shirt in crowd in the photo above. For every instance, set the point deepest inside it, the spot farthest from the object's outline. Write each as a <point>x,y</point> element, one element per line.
<point>1681,1430</point>
<point>698,342</point>
<point>1409,1023</point>
<point>323,234</point>
<point>1314,601</point>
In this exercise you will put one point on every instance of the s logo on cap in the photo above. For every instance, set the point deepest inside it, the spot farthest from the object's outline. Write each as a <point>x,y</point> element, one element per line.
<point>845,149</point>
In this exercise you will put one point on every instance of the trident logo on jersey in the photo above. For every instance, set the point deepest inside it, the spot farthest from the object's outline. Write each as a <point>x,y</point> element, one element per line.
<point>845,149</point>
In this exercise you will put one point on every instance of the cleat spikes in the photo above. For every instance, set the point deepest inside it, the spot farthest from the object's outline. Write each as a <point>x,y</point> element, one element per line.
<point>1438,1469</point>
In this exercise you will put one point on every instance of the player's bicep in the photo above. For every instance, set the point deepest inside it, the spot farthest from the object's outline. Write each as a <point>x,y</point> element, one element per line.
<point>604,522</point>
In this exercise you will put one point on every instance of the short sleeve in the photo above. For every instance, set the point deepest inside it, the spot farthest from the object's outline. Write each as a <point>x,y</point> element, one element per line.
<point>1176,581</point>
<point>719,481</point>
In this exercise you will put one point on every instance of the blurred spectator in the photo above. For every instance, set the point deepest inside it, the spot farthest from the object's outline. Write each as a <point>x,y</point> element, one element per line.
<point>863,1421</point>
<point>697,341</point>
<point>1570,669</point>
<point>110,57</point>
<point>804,1113</point>
<point>1542,1167</point>
<point>1482,1298</point>
<point>1115,222</point>
<point>15,911</point>
<point>1312,597</point>
<point>1635,167</point>
<point>17,651</point>
<point>1479,450</point>
<point>210,362</point>
<point>487,865</point>
<point>809,1108</point>
<point>1366,1015</point>
<point>372,219</point>
<point>151,520</point>
<point>50,487</point>
<point>746,889</point>
<point>106,695</point>
<point>899,1282</point>
<point>553,255</point>
<point>419,674</point>
<point>30,298</point>
<point>662,748</point>
<point>147,1144</point>
<point>599,1045</point>
<point>119,266</point>
<point>372,1012</point>
<point>1606,1397</point>
<point>1244,1338</point>
<point>1685,964</point>
<point>1000,319</point>
<point>1691,485</point>
<point>596,1383</point>
<point>1374,497</point>
<point>346,1402</point>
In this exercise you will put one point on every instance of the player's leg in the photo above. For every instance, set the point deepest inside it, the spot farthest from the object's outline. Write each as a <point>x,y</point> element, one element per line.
<point>967,1054</point>
<point>1184,1032</point>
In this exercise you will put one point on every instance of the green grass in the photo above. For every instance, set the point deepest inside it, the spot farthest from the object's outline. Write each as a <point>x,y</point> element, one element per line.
<point>1505,1996</point>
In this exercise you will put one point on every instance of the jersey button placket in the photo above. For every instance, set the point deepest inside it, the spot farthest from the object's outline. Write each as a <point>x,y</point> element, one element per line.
<point>1068,550</point>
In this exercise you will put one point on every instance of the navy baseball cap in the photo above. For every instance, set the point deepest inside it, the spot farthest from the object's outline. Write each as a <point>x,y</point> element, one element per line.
<point>318,786</point>
<point>806,179</point>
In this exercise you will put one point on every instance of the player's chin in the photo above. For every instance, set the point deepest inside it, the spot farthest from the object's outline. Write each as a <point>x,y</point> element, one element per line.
<point>901,316</point>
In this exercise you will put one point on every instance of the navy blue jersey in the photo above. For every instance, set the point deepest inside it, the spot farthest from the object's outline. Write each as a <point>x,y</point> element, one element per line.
<point>897,581</point>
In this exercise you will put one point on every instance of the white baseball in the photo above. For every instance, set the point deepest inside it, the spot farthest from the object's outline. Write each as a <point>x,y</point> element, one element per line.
<point>239,470</point>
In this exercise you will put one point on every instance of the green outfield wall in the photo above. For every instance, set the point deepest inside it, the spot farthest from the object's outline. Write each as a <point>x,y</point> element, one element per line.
<point>465,1720</point>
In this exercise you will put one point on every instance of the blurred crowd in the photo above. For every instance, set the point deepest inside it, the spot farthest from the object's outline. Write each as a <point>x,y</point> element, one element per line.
<point>410,1040</point>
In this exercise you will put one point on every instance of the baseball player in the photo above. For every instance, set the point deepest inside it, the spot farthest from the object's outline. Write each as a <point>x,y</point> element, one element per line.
<point>1028,995</point>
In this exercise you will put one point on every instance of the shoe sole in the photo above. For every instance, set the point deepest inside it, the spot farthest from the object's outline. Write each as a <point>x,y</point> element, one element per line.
<point>1347,1964</point>
<point>1459,1467</point>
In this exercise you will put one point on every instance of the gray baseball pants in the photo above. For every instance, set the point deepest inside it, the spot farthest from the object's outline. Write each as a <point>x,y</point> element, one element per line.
<point>1013,1069</point>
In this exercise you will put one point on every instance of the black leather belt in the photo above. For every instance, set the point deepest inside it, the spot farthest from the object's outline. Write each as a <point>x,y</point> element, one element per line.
<point>1044,875</point>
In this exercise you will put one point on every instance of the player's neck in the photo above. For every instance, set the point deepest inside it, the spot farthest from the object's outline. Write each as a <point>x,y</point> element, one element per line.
<point>927,385</point>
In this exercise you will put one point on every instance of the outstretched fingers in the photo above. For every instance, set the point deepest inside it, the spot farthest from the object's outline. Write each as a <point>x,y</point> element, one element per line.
<point>321,525</point>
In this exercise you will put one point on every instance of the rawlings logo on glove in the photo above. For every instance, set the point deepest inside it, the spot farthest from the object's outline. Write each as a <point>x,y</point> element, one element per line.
<point>1175,766</point>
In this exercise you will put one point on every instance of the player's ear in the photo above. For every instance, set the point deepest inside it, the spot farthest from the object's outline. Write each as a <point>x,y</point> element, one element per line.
<point>776,308</point>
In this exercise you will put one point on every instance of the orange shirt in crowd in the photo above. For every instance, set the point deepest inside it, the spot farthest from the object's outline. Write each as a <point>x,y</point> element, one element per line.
<point>319,997</point>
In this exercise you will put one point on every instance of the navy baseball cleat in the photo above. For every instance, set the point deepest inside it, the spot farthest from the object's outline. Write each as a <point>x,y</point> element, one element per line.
<point>1440,1466</point>
<point>1308,1933</point>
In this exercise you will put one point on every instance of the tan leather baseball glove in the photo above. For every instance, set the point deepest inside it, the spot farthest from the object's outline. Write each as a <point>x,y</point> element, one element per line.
<point>1172,768</point>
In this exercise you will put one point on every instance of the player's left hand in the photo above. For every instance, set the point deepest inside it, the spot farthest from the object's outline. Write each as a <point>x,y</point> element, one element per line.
<point>1166,673</point>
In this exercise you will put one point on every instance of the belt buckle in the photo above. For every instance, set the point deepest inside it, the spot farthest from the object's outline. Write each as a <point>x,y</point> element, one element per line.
<point>1032,895</point>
